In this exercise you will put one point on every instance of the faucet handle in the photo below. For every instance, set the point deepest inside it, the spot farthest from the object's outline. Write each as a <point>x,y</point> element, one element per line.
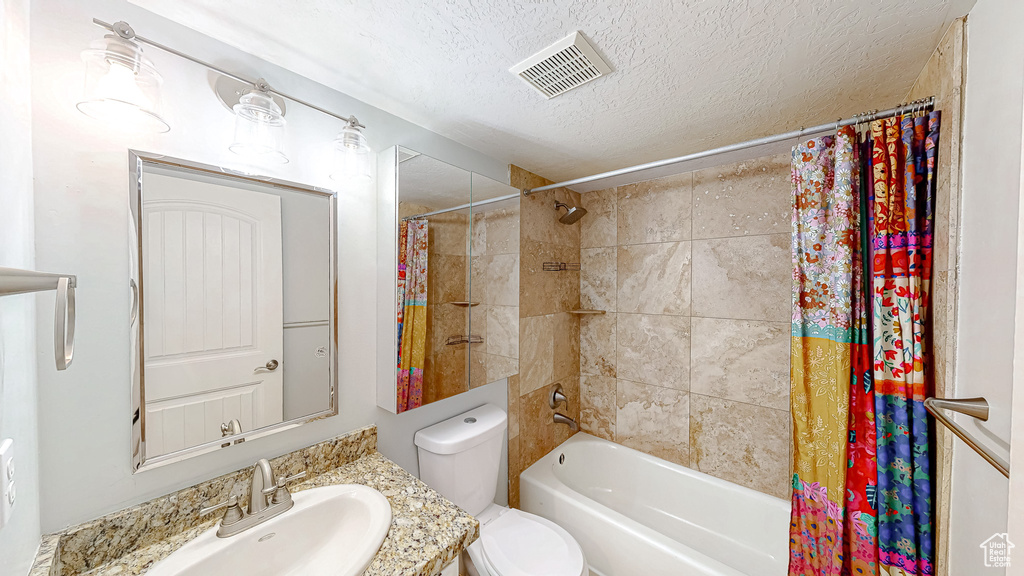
<point>231,515</point>
<point>282,481</point>
<point>279,491</point>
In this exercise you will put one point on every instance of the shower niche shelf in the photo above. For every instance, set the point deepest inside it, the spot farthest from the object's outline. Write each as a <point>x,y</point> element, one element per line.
<point>587,312</point>
<point>561,266</point>
<point>464,339</point>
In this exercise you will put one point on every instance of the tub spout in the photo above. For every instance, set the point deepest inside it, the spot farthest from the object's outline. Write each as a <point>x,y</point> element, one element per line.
<point>563,419</point>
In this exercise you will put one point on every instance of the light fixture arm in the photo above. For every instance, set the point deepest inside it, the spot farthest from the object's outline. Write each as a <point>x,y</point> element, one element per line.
<point>125,31</point>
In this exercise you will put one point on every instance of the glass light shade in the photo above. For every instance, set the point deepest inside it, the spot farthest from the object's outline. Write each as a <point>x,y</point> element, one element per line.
<point>351,157</point>
<point>259,128</point>
<point>122,87</point>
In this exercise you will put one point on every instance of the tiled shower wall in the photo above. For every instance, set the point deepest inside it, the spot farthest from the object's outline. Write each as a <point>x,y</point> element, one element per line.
<point>690,363</point>
<point>549,342</point>
<point>495,286</point>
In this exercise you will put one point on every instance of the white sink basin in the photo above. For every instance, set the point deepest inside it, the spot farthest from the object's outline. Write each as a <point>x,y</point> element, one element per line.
<point>333,530</point>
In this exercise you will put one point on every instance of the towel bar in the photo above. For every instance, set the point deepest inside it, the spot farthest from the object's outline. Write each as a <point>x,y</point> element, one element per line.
<point>16,281</point>
<point>974,407</point>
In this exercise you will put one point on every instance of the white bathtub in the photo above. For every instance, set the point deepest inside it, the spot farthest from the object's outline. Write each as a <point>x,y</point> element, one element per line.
<point>636,514</point>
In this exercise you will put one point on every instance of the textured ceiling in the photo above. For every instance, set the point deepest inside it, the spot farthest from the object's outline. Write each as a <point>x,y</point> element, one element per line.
<point>688,75</point>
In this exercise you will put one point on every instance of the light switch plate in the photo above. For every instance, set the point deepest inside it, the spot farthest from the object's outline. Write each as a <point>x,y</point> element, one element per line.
<point>7,491</point>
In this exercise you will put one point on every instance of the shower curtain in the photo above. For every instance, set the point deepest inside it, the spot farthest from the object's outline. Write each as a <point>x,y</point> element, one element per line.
<point>862,236</point>
<point>826,216</point>
<point>412,313</point>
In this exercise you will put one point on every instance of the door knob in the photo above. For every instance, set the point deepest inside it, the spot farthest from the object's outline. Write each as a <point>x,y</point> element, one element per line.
<point>270,366</point>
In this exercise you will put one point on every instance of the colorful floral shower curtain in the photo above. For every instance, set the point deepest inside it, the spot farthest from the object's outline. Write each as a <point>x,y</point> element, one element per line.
<point>412,312</point>
<point>862,237</point>
<point>903,174</point>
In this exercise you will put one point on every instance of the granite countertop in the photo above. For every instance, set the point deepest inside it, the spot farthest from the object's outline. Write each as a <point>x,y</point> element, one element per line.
<point>427,531</point>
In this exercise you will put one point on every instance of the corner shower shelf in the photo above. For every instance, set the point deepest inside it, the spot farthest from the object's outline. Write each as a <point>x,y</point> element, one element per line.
<point>15,281</point>
<point>464,339</point>
<point>465,304</point>
<point>586,312</point>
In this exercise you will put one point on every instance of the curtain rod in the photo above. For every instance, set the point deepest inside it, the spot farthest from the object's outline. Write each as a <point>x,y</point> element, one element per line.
<point>125,31</point>
<point>922,104</point>
<point>463,206</point>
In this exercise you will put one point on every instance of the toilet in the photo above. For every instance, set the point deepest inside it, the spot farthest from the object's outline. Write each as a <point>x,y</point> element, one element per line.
<point>460,458</point>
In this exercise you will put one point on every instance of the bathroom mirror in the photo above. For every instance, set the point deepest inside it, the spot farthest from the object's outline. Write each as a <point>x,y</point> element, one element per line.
<point>452,255</point>
<point>233,319</point>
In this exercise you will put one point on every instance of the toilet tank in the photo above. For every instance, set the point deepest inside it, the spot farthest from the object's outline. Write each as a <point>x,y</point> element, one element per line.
<point>460,457</point>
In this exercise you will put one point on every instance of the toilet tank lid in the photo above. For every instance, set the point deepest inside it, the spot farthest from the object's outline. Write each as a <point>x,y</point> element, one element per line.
<point>462,432</point>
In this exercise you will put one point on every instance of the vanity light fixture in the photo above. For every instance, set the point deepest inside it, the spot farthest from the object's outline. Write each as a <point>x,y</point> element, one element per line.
<point>259,126</point>
<point>259,120</point>
<point>122,87</point>
<point>351,155</point>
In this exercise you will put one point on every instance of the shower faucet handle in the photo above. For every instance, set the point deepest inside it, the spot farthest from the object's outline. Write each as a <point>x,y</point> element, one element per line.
<point>557,398</point>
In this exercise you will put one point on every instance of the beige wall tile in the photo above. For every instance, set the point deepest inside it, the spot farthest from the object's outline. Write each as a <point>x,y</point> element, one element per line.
<point>448,368</point>
<point>480,267</point>
<point>477,325</point>
<point>741,443</point>
<point>597,344</point>
<point>653,350</point>
<point>598,227</point>
<point>597,278</point>
<point>746,278</point>
<point>448,234</point>
<point>513,471</point>
<point>744,198</point>
<point>742,360</point>
<point>597,406</point>
<point>539,219</point>
<point>479,235</point>
<point>446,321</point>
<point>654,211</point>
<point>503,280</point>
<point>536,352</point>
<point>536,432</point>
<point>503,330</point>
<point>654,278</point>
<point>542,292</point>
<point>499,367</point>
<point>522,178</point>
<point>566,345</point>
<point>503,231</point>
<point>513,407</point>
<point>478,368</point>
<point>446,278</point>
<point>653,420</point>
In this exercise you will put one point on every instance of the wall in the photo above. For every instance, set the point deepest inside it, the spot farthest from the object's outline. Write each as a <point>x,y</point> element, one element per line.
<point>991,188</point>
<point>691,361</point>
<point>943,78</point>
<point>549,350</point>
<point>81,216</point>
<point>20,538</point>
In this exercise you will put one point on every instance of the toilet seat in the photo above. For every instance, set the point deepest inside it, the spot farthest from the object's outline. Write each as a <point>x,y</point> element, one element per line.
<point>517,543</point>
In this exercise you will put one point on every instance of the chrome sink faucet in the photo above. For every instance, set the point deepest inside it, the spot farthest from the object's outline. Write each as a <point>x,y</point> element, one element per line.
<point>268,497</point>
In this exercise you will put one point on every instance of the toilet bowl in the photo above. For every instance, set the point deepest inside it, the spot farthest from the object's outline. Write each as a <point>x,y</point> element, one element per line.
<point>517,543</point>
<point>460,458</point>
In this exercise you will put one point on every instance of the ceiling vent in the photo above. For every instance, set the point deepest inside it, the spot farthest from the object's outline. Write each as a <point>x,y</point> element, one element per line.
<point>566,64</point>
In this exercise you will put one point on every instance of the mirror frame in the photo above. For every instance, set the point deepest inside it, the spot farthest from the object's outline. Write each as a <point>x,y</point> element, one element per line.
<point>137,160</point>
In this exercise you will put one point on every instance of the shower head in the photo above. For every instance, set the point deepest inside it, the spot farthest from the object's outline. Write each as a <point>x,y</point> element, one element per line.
<point>572,214</point>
